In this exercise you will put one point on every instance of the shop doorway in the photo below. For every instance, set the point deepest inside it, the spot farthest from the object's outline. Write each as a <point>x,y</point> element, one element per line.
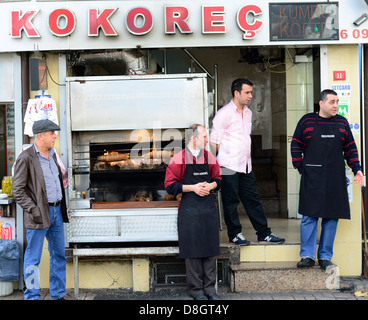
<point>266,68</point>
<point>287,85</point>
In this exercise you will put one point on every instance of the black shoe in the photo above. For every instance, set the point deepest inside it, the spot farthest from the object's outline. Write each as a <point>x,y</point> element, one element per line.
<point>213,296</point>
<point>324,263</point>
<point>201,296</point>
<point>305,263</point>
<point>67,297</point>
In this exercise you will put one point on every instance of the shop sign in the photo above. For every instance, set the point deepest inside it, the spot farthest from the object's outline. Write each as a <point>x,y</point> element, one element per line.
<point>344,108</point>
<point>86,25</point>
<point>304,21</point>
<point>139,21</point>
<point>10,138</point>
<point>339,75</point>
<point>342,90</point>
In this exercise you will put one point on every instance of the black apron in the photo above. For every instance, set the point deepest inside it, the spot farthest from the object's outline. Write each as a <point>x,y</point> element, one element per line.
<point>198,225</point>
<point>323,188</point>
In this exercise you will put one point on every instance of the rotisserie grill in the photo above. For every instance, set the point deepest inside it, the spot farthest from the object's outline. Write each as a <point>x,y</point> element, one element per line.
<point>123,172</point>
<point>122,133</point>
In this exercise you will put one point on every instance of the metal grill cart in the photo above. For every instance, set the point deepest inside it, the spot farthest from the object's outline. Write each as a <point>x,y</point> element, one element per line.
<point>122,132</point>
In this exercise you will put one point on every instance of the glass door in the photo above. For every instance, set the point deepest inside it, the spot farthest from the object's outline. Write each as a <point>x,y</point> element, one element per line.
<point>7,141</point>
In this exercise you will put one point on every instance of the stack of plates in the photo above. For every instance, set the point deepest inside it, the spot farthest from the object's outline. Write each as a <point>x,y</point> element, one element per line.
<point>3,195</point>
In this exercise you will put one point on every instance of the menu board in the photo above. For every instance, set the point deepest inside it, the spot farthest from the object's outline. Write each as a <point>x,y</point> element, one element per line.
<point>10,138</point>
<point>304,21</point>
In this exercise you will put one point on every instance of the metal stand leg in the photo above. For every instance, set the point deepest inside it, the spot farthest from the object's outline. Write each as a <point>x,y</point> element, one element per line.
<point>220,209</point>
<point>76,275</point>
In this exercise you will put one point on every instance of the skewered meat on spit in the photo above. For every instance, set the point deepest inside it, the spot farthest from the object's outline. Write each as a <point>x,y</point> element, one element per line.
<point>121,160</point>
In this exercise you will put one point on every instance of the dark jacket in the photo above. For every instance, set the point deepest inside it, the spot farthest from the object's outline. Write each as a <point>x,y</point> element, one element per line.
<point>29,190</point>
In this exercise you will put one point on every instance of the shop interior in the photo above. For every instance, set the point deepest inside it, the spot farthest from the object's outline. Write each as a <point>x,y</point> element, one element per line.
<point>286,87</point>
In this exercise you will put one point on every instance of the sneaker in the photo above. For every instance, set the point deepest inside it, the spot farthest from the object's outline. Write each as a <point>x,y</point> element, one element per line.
<point>305,263</point>
<point>271,238</point>
<point>240,240</point>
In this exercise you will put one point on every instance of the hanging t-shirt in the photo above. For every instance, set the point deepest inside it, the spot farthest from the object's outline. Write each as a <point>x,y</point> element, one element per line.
<point>39,109</point>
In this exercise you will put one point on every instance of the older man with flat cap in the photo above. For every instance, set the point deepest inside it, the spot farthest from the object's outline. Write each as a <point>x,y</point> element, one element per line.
<point>38,189</point>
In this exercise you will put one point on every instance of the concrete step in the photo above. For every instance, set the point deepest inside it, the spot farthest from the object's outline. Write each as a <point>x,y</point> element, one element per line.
<point>280,276</point>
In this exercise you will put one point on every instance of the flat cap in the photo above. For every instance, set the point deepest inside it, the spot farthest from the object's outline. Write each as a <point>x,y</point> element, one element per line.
<point>44,125</point>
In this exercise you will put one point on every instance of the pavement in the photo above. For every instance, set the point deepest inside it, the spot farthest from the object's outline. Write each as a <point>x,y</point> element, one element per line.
<point>354,288</point>
<point>175,303</point>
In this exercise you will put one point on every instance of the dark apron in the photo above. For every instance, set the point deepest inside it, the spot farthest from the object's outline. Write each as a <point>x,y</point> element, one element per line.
<point>323,188</point>
<point>198,225</point>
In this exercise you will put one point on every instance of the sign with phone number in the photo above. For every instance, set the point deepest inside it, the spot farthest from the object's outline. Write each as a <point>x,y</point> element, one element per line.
<point>355,34</point>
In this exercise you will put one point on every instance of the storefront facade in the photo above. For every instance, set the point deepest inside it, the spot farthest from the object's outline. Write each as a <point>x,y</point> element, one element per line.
<point>291,51</point>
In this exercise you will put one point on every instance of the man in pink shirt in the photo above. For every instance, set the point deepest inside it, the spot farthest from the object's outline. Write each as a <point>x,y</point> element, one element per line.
<point>230,139</point>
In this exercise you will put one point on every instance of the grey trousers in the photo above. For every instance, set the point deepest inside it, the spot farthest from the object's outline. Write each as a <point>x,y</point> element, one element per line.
<point>201,275</point>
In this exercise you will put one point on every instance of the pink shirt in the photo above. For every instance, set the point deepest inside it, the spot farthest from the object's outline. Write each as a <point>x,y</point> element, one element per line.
<point>231,131</point>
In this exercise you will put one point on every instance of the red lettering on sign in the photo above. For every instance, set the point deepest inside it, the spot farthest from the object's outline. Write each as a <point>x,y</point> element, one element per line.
<point>47,107</point>
<point>242,19</point>
<point>139,21</point>
<point>137,27</point>
<point>213,19</point>
<point>54,22</point>
<point>100,21</point>
<point>23,23</point>
<point>176,17</point>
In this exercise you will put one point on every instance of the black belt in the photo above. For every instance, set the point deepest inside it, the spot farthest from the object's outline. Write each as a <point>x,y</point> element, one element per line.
<point>55,204</point>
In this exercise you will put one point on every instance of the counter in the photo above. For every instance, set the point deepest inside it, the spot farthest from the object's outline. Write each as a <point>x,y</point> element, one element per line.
<point>8,200</point>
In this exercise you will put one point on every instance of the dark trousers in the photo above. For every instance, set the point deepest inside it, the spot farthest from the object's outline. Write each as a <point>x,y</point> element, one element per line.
<point>201,275</point>
<point>243,186</point>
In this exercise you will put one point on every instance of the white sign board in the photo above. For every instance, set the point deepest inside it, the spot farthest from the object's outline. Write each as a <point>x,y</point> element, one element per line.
<point>78,25</point>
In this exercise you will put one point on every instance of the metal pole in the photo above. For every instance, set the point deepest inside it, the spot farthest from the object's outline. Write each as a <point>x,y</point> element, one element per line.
<point>199,64</point>
<point>165,61</point>
<point>216,87</point>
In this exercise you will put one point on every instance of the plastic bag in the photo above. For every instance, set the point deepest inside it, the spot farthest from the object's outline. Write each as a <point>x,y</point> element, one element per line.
<point>9,260</point>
